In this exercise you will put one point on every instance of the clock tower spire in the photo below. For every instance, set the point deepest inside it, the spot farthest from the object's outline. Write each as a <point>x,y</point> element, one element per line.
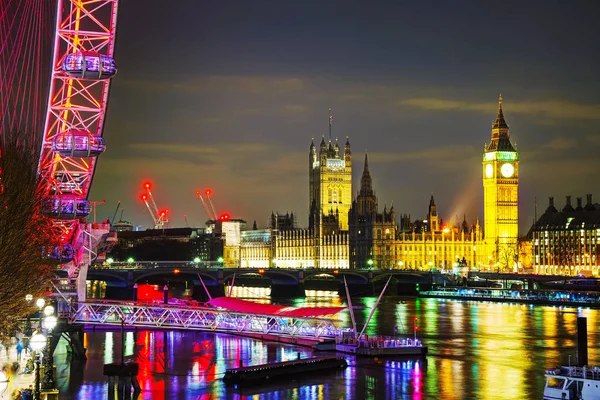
<point>501,195</point>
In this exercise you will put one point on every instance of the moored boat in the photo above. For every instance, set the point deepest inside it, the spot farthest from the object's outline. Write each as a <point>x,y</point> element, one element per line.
<point>572,383</point>
<point>375,346</point>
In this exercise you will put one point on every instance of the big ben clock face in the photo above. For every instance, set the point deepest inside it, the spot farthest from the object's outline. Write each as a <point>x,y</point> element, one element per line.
<point>489,171</point>
<point>507,170</point>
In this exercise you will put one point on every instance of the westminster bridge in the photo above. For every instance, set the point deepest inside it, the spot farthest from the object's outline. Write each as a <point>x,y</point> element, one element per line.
<point>124,275</point>
<point>214,276</point>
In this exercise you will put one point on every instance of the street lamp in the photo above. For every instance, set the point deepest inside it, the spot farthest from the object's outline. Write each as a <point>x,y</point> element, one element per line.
<point>40,303</point>
<point>370,263</point>
<point>28,298</point>
<point>38,342</point>
<point>220,260</point>
<point>49,323</point>
<point>197,260</point>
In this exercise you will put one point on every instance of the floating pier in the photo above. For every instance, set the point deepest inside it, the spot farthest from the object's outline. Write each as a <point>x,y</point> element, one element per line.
<point>257,374</point>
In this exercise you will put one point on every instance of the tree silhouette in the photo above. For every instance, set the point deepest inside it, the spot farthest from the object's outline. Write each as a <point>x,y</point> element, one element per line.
<point>26,235</point>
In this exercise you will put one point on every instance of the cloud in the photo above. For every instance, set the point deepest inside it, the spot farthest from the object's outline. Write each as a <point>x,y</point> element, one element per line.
<point>295,108</point>
<point>593,139</point>
<point>548,109</point>
<point>561,144</point>
<point>212,83</point>
<point>175,148</point>
<point>450,158</point>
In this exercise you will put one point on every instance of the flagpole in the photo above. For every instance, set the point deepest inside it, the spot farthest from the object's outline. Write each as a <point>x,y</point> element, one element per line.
<point>330,119</point>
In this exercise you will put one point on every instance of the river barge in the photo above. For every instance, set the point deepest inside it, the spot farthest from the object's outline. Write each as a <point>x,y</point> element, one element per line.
<point>257,374</point>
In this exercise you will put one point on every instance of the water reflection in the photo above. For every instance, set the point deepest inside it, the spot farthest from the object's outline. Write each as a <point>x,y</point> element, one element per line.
<point>477,351</point>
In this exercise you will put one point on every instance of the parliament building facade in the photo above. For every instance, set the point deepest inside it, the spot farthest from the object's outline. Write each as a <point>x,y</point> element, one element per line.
<point>345,232</point>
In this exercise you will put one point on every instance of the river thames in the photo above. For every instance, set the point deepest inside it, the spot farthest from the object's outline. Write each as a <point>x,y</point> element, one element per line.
<point>476,351</point>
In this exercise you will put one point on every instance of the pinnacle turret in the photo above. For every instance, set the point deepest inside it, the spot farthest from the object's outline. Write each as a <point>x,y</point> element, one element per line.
<point>366,183</point>
<point>500,123</point>
<point>500,132</point>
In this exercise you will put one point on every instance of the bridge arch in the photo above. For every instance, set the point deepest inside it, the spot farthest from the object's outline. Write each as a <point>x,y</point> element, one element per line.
<point>401,277</point>
<point>206,277</point>
<point>359,277</point>
<point>282,277</point>
<point>111,279</point>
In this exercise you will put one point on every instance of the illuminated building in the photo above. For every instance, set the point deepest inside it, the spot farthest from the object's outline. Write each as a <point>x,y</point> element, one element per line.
<point>376,241</point>
<point>230,231</point>
<point>294,248</point>
<point>442,249</point>
<point>372,234</point>
<point>301,248</point>
<point>501,195</point>
<point>169,244</point>
<point>325,244</point>
<point>566,242</point>
<point>256,248</point>
<point>330,185</point>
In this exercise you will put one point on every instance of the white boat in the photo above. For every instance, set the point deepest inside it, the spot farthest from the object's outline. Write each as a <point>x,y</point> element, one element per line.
<point>572,383</point>
<point>375,346</point>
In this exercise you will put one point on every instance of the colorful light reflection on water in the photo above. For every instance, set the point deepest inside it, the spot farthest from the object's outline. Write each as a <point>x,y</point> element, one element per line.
<point>477,351</point>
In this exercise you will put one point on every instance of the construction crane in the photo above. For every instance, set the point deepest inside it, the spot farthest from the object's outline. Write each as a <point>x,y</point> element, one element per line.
<point>94,205</point>
<point>213,215</point>
<point>159,217</point>
<point>208,193</point>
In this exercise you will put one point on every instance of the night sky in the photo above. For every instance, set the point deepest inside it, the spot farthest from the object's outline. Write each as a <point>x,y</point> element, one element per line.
<point>228,94</point>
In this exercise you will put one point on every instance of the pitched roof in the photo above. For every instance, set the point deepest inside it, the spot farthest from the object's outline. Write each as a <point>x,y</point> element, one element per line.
<point>250,307</point>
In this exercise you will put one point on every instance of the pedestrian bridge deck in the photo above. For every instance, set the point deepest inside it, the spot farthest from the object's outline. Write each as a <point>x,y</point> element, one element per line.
<point>169,316</point>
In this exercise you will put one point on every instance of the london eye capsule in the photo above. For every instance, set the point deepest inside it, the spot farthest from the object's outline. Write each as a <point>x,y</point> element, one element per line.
<point>77,143</point>
<point>89,65</point>
<point>63,253</point>
<point>66,207</point>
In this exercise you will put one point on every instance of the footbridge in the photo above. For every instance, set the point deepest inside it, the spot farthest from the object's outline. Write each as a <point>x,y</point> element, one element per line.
<point>298,330</point>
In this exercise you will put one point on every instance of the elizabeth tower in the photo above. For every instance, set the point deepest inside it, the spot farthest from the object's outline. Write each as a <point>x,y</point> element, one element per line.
<point>501,194</point>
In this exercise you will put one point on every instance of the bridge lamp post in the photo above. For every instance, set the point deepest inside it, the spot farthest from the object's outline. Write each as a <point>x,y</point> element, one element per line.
<point>370,262</point>
<point>196,261</point>
<point>130,260</point>
<point>400,264</point>
<point>38,342</point>
<point>28,299</point>
<point>110,260</point>
<point>220,261</point>
<point>50,324</point>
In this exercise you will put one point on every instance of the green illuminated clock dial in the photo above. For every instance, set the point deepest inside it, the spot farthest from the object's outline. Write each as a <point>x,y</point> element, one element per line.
<point>489,171</point>
<point>507,170</point>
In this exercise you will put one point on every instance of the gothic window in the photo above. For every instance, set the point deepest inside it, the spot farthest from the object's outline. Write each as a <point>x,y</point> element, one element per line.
<point>340,196</point>
<point>329,195</point>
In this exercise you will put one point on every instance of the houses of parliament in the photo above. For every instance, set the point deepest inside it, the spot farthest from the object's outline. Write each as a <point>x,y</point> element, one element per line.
<point>354,232</point>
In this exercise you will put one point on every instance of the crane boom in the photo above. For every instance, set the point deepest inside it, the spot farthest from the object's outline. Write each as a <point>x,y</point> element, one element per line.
<point>112,221</point>
<point>211,205</point>
<point>154,219</point>
<point>205,206</point>
<point>153,202</point>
